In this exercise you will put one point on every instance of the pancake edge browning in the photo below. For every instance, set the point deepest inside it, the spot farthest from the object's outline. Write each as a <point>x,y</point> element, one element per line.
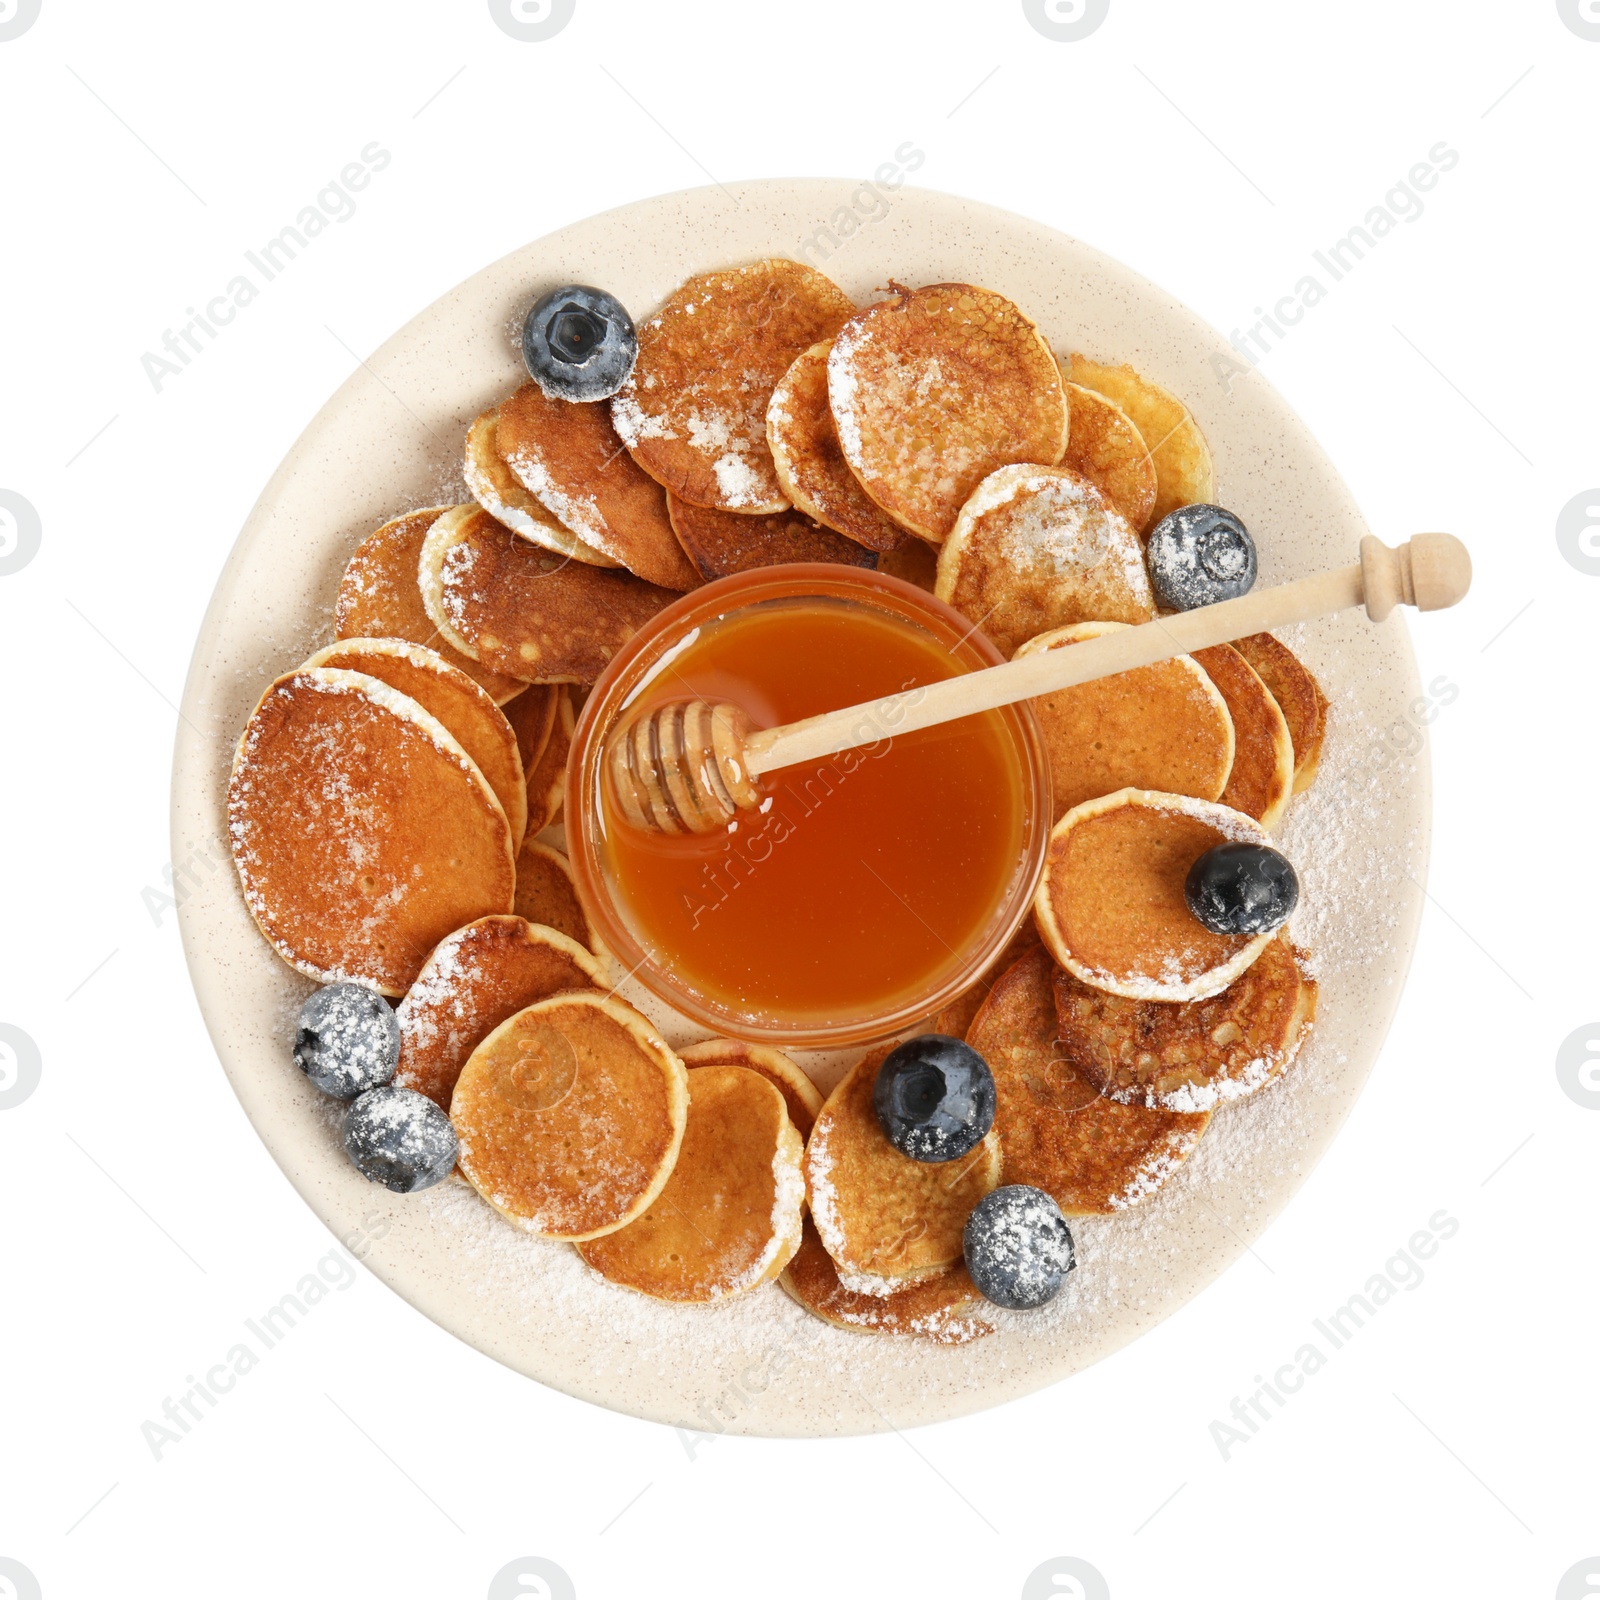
<point>493,484</point>
<point>822,1192</point>
<point>1092,1155</point>
<point>651,1044</point>
<point>1232,825</point>
<point>428,1002</point>
<point>1086,1017</point>
<point>514,802</point>
<point>1075,633</point>
<point>785,1075</point>
<point>942,1307</point>
<point>846,386</point>
<point>356,609</point>
<point>399,705</point>
<point>783,1222</point>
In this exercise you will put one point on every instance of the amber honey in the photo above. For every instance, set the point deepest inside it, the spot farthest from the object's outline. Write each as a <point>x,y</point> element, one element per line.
<point>869,875</point>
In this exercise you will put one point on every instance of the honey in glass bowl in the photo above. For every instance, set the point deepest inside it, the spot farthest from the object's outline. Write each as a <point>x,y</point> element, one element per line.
<point>871,885</point>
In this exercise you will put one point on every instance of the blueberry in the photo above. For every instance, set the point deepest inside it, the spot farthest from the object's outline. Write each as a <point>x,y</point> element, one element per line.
<point>579,343</point>
<point>1199,555</point>
<point>1018,1247</point>
<point>1242,888</point>
<point>934,1098</point>
<point>399,1138</point>
<point>347,1041</point>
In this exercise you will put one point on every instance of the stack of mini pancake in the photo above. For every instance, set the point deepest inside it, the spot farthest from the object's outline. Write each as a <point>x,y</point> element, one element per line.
<point>394,804</point>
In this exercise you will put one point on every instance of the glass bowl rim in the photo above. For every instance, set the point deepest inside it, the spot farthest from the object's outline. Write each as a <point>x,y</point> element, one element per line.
<point>796,580</point>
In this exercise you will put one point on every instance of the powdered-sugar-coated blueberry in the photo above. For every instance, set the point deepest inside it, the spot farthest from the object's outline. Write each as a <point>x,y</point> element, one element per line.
<point>347,1041</point>
<point>934,1098</point>
<point>1199,555</point>
<point>579,343</point>
<point>400,1138</point>
<point>1018,1247</point>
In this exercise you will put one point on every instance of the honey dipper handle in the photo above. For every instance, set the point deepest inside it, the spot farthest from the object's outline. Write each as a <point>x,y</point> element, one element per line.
<point>1431,572</point>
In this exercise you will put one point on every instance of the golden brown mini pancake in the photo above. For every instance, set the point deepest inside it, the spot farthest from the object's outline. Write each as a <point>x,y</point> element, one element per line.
<point>362,831</point>
<point>570,1116</point>
<point>475,979</point>
<point>496,488</point>
<point>956,1018</point>
<point>547,779</point>
<point>811,467</point>
<point>379,598</point>
<point>1163,727</point>
<point>568,456</point>
<point>1184,474</point>
<point>546,895</point>
<point>532,716</point>
<point>1037,548</point>
<point>939,1307</point>
<point>728,1218</point>
<point>693,413</point>
<point>446,692</point>
<point>1262,776</point>
<point>1195,1056</point>
<point>1299,696</point>
<point>1088,1154</point>
<point>880,1214</point>
<point>935,388</point>
<point>1105,446</point>
<point>915,562</point>
<point>524,610</point>
<point>720,543</point>
<point>800,1095</point>
<point>1110,903</point>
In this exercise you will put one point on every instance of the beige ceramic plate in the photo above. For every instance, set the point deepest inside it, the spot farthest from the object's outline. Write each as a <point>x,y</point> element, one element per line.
<point>389,440</point>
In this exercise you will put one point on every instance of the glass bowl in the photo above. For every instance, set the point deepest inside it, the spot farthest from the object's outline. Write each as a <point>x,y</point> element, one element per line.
<point>627,676</point>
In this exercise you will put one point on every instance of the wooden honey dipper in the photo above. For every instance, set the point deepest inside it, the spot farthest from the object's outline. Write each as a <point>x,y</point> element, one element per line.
<point>692,766</point>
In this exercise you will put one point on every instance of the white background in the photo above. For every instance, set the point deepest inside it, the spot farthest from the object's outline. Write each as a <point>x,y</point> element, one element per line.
<point>1448,1449</point>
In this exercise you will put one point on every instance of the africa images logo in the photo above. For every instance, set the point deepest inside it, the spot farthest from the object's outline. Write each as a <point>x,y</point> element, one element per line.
<point>1581,1582</point>
<point>1578,1066</point>
<point>1578,532</point>
<point>1582,16</point>
<point>531,1578</point>
<point>20,1067</point>
<point>20,532</point>
<point>16,17</point>
<point>532,21</point>
<point>1066,21</point>
<point>1067,1578</point>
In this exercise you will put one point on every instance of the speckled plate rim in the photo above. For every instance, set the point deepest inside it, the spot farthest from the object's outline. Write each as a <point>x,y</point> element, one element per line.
<point>387,440</point>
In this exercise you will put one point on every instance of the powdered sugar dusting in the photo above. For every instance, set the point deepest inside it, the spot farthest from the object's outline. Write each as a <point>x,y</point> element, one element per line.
<point>1059,523</point>
<point>1133,1265</point>
<point>578,512</point>
<point>868,1283</point>
<point>1184,973</point>
<point>788,1197</point>
<point>1356,847</point>
<point>823,1196</point>
<point>634,424</point>
<point>434,1001</point>
<point>844,388</point>
<point>1156,1168</point>
<point>336,810</point>
<point>737,480</point>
